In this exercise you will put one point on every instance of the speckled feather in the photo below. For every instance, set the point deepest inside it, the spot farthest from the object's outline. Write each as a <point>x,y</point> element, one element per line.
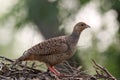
<point>54,50</point>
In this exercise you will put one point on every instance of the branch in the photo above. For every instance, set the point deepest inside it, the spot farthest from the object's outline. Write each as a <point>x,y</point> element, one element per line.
<point>105,73</point>
<point>23,72</point>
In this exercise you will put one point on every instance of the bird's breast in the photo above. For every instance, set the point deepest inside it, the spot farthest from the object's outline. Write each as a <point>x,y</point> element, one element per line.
<point>54,59</point>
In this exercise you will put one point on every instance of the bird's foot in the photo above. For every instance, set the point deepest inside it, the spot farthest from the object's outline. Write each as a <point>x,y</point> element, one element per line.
<point>53,70</point>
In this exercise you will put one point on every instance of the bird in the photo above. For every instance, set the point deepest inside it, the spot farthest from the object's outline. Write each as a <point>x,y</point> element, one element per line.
<point>54,50</point>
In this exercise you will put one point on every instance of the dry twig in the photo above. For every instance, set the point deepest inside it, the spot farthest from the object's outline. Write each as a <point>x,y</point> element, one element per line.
<point>105,74</point>
<point>23,72</point>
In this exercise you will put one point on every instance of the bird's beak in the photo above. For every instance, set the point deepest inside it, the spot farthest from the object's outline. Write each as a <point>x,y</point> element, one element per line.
<point>88,26</point>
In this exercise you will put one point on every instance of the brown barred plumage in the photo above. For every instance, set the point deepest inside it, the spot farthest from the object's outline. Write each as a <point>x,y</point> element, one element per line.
<point>54,50</point>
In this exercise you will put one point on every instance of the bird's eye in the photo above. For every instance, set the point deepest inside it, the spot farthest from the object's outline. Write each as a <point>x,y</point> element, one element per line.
<point>82,25</point>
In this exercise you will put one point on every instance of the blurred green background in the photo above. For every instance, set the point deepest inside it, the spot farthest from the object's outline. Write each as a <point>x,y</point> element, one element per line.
<point>24,23</point>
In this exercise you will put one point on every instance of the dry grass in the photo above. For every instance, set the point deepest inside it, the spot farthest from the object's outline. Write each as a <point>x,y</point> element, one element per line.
<point>23,72</point>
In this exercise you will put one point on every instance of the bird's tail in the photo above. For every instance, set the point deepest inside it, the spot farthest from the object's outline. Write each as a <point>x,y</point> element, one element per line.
<point>22,58</point>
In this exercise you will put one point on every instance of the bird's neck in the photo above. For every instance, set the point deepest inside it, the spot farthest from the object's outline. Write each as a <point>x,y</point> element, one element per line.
<point>75,37</point>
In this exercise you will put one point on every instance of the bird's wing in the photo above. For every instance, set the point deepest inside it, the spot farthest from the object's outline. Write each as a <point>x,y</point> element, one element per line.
<point>50,47</point>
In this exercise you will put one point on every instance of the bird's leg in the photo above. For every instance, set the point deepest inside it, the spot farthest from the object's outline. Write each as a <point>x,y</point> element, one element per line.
<point>52,69</point>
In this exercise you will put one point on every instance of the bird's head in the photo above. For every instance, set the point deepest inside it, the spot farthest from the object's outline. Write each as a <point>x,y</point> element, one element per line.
<point>80,26</point>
